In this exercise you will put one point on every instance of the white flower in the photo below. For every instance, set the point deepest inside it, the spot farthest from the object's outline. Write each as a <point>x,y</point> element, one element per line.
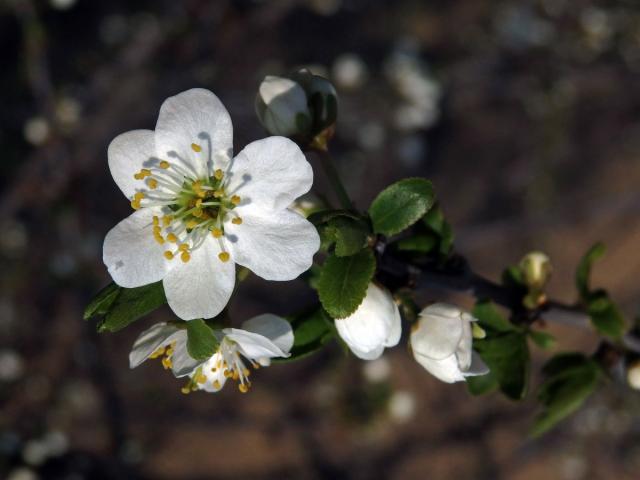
<point>198,211</point>
<point>281,106</point>
<point>373,326</point>
<point>441,342</point>
<point>261,338</point>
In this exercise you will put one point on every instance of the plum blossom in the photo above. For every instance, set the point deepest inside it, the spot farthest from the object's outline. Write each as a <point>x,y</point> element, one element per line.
<point>373,326</point>
<point>259,340</point>
<point>199,211</point>
<point>441,341</point>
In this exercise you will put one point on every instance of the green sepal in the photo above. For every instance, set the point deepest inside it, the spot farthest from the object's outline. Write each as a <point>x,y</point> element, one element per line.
<point>201,341</point>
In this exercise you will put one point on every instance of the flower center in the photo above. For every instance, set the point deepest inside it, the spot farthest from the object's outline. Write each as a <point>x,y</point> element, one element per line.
<point>193,207</point>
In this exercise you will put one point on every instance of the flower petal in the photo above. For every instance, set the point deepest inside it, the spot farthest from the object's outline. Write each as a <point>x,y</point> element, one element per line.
<point>464,349</point>
<point>270,174</point>
<point>279,246</point>
<point>198,117</point>
<point>201,287</point>
<point>478,367</point>
<point>183,364</point>
<point>275,328</point>
<point>212,373</point>
<point>150,340</point>
<point>437,336</point>
<point>374,325</point>
<point>128,153</point>
<point>445,369</point>
<point>130,252</point>
<point>253,345</point>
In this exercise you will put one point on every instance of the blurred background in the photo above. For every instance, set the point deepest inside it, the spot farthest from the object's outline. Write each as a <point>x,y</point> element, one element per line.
<point>525,114</point>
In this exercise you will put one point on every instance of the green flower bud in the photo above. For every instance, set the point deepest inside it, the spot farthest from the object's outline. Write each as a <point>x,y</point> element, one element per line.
<point>536,270</point>
<point>281,106</point>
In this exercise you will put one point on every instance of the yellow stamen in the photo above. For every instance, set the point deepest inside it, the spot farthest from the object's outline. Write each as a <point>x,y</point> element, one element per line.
<point>235,200</point>
<point>186,390</point>
<point>166,363</point>
<point>138,196</point>
<point>145,172</point>
<point>135,204</point>
<point>236,221</point>
<point>218,193</point>
<point>185,257</point>
<point>216,384</point>
<point>168,255</point>
<point>191,224</point>
<point>243,388</point>
<point>172,238</point>
<point>201,378</point>
<point>153,183</point>
<point>164,164</point>
<point>236,375</point>
<point>224,256</point>
<point>166,220</point>
<point>197,212</point>
<point>228,374</point>
<point>246,372</point>
<point>199,203</point>
<point>218,174</point>
<point>159,239</point>
<point>159,352</point>
<point>156,221</point>
<point>184,247</point>
<point>216,232</point>
<point>195,147</point>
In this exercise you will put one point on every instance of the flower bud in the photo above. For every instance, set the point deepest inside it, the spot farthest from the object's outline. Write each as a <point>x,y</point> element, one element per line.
<point>321,97</point>
<point>536,270</point>
<point>633,374</point>
<point>441,341</point>
<point>373,326</point>
<point>281,106</point>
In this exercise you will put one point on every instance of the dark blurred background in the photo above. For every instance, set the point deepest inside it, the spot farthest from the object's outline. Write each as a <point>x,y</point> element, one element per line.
<point>525,114</point>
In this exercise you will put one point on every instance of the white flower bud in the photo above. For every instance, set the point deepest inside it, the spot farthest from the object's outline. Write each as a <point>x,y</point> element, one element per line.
<point>321,96</point>
<point>536,269</point>
<point>441,341</point>
<point>281,106</point>
<point>373,326</point>
<point>633,374</point>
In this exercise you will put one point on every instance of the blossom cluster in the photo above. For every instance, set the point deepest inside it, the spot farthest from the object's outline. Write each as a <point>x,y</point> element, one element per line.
<point>199,211</point>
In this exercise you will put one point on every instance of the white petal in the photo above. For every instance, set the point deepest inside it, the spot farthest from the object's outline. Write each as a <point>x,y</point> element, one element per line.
<point>374,325</point>
<point>283,101</point>
<point>128,153</point>
<point>464,350</point>
<point>183,364</point>
<point>443,310</point>
<point>278,246</point>
<point>478,367</point>
<point>201,287</point>
<point>269,174</point>
<point>253,345</point>
<point>195,116</point>
<point>130,252</point>
<point>150,340</point>
<point>211,375</point>
<point>445,369</point>
<point>437,336</point>
<point>275,328</point>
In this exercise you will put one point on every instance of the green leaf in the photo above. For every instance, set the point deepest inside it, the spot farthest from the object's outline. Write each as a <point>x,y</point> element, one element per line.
<point>507,356</point>
<point>482,384</point>
<point>572,379</point>
<point>350,235</point>
<point>102,301</point>
<point>490,318</point>
<point>605,316</point>
<point>584,269</point>
<point>201,341</point>
<point>401,205</point>
<point>421,242</point>
<point>324,216</point>
<point>343,282</point>
<point>311,331</point>
<point>129,305</point>
<point>542,339</point>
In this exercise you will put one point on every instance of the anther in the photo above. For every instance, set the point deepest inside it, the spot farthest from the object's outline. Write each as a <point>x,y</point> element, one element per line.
<point>218,174</point>
<point>236,221</point>
<point>216,232</point>
<point>166,220</point>
<point>224,256</point>
<point>153,183</point>
<point>186,390</point>
<point>195,147</point>
<point>156,221</point>
<point>191,224</point>
<point>216,384</point>
<point>243,388</point>
<point>235,200</point>
<point>185,257</point>
<point>164,164</point>
<point>184,247</point>
<point>172,238</point>
<point>168,255</point>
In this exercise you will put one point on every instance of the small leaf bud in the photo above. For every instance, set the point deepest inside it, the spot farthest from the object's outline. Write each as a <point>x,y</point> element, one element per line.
<point>536,270</point>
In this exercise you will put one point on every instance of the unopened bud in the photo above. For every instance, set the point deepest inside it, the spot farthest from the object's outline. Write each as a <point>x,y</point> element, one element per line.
<point>633,374</point>
<point>281,106</point>
<point>536,270</point>
<point>321,97</point>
